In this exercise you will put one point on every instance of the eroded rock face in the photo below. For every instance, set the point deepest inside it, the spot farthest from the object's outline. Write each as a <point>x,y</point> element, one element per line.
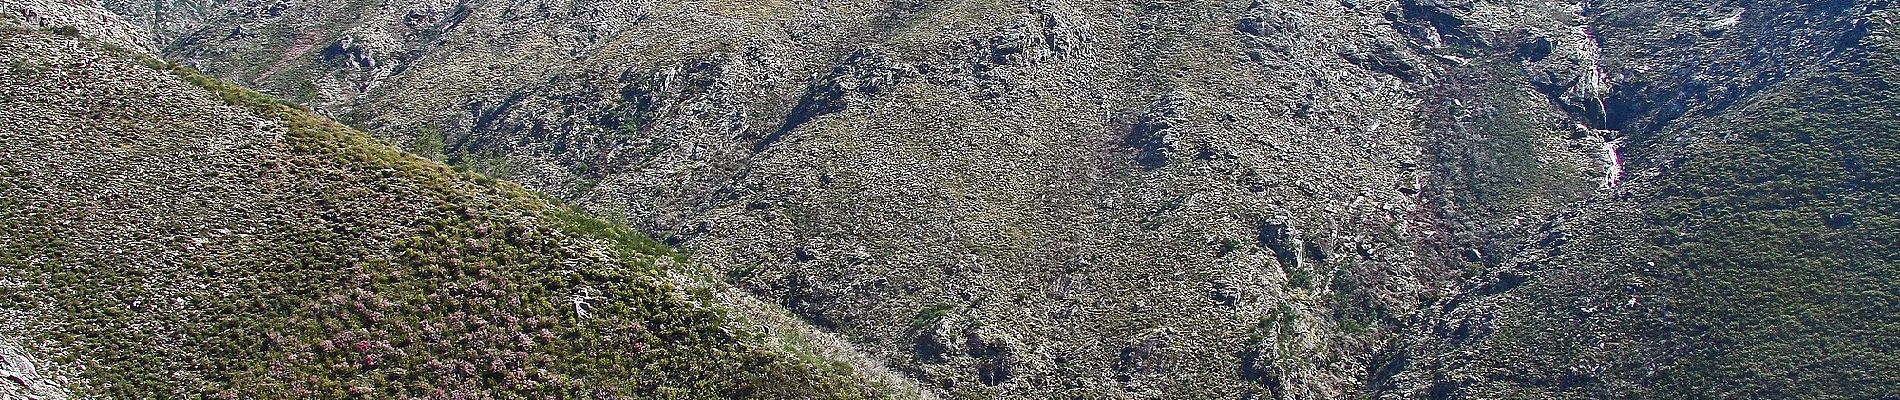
<point>24,376</point>
<point>1118,199</point>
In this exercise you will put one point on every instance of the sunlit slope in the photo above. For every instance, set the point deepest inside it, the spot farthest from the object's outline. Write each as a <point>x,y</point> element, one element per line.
<point>167,234</point>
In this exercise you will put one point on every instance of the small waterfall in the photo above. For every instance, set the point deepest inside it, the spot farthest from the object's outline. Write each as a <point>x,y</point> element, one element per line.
<point>1613,164</point>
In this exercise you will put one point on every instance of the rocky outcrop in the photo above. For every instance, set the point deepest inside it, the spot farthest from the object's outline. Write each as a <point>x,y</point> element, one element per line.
<point>23,377</point>
<point>73,17</point>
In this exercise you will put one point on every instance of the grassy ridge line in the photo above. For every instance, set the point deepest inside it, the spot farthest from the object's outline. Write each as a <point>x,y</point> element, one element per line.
<point>472,305</point>
<point>318,135</point>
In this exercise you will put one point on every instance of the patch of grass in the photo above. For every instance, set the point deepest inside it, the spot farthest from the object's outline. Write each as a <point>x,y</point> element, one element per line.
<point>625,240</point>
<point>1227,246</point>
<point>492,163</point>
<point>1298,277</point>
<point>429,143</point>
<point>930,315</point>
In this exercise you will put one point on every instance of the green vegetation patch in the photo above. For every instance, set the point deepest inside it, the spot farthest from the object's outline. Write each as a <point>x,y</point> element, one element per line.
<point>486,290</point>
<point>1784,234</point>
<point>1764,264</point>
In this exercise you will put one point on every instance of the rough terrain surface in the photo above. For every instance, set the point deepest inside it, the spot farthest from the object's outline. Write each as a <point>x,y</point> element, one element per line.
<point>1747,253</point>
<point>1179,199</point>
<point>170,235</point>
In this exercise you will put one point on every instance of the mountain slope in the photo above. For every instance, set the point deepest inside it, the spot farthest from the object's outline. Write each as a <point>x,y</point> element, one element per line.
<point>171,240</point>
<point>1748,254</point>
<point>1181,199</point>
<point>1110,199</point>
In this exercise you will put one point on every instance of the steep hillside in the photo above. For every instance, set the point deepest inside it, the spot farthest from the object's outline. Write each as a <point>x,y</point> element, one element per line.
<point>1749,254</point>
<point>1039,199</point>
<point>169,235</point>
<point>1178,199</point>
